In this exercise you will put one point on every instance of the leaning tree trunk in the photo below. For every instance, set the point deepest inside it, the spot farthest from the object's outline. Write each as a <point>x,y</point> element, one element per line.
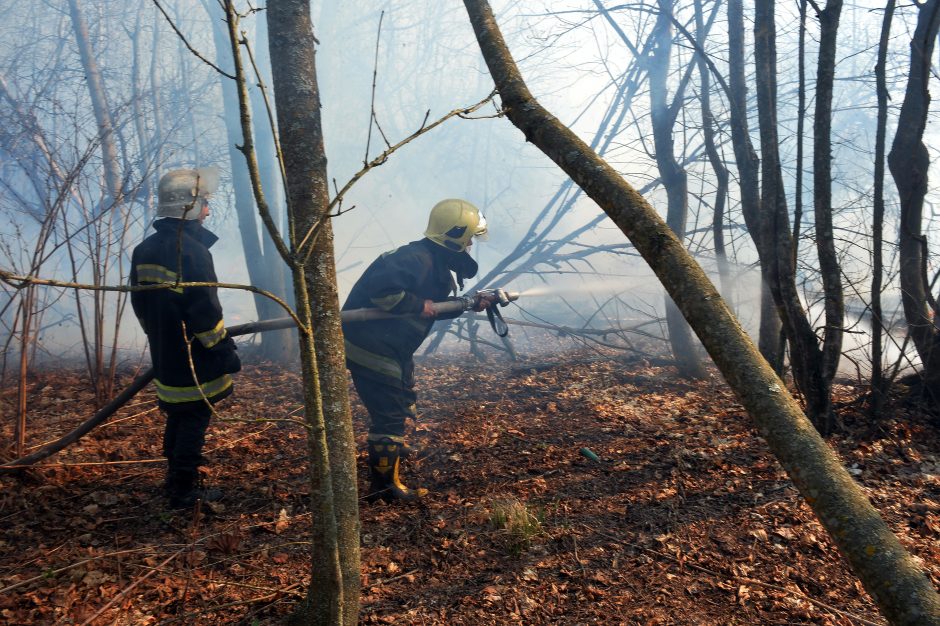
<point>889,573</point>
<point>748,165</point>
<point>909,162</point>
<point>293,52</point>
<point>805,355</point>
<point>675,181</point>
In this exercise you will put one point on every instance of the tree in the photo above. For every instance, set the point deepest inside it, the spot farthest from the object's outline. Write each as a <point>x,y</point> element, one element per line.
<point>673,176</point>
<point>333,594</point>
<point>878,217</point>
<point>776,235</point>
<point>909,162</point>
<point>899,587</point>
<point>265,268</point>
<point>749,168</point>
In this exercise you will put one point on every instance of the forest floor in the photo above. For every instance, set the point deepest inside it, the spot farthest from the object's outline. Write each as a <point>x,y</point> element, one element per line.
<point>686,518</point>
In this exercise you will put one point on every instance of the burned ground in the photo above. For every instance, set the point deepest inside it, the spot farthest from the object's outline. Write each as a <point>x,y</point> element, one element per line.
<point>684,517</point>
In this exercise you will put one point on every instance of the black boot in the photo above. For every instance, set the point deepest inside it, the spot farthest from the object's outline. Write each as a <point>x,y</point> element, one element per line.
<point>184,489</point>
<point>384,455</point>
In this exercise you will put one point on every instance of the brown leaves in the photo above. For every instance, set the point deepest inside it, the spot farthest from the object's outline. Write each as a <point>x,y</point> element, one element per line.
<point>685,518</point>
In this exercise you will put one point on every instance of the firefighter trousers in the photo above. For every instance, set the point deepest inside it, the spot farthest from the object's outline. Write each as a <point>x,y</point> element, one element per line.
<point>185,435</point>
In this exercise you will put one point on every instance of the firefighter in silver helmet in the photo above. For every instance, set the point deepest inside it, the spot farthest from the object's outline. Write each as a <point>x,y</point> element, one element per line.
<point>380,354</point>
<point>183,323</point>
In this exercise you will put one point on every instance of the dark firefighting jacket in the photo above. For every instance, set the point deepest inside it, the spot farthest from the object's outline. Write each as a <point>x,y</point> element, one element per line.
<point>399,282</point>
<point>179,252</point>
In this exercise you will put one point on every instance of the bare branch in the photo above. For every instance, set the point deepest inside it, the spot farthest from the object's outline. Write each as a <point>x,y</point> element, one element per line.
<point>187,44</point>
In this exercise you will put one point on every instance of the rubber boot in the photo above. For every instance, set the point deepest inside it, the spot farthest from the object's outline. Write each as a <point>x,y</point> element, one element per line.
<point>184,490</point>
<point>385,484</point>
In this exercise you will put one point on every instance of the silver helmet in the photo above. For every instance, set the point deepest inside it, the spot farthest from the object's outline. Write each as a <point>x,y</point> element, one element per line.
<point>179,191</point>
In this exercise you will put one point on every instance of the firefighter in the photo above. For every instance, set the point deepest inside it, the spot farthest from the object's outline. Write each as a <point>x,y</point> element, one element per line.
<point>184,326</point>
<point>379,354</point>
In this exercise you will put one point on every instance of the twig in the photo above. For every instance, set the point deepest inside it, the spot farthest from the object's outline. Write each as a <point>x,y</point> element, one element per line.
<point>17,281</point>
<point>186,43</point>
<point>248,147</point>
<point>129,588</point>
<point>275,137</point>
<point>49,574</point>
<point>305,248</point>
<point>229,605</point>
<point>375,74</point>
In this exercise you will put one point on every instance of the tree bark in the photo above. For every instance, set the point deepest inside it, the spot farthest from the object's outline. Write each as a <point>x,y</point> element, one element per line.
<point>889,573</point>
<point>909,162</point>
<point>749,165</point>
<point>261,272</point>
<point>715,160</point>
<point>99,104</point>
<point>829,265</point>
<point>675,181</point>
<point>878,218</point>
<point>293,53</point>
<point>776,236</point>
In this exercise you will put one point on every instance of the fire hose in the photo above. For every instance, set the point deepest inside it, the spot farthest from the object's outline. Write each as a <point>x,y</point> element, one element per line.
<point>458,305</point>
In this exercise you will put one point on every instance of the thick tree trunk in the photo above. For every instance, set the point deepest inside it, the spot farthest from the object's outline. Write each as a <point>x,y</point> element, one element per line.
<point>675,181</point>
<point>889,573</point>
<point>909,162</point>
<point>776,236</point>
<point>749,183</point>
<point>298,113</point>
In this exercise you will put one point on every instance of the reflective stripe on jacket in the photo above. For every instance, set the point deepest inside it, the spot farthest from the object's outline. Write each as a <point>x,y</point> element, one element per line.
<point>399,282</point>
<point>179,252</point>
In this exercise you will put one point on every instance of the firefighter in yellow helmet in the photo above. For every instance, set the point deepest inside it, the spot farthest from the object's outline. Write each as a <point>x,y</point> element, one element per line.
<point>379,354</point>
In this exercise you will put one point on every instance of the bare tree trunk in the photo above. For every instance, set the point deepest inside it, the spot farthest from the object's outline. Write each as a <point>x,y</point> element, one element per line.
<point>829,266</point>
<point>805,356</point>
<point>299,126</point>
<point>675,181</point>
<point>715,160</point>
<point>277,346</point>
<point>748,176</point>
<point>99,103</point>
<point>878,219</point>
<point>909,162</point>
<point>900,588</point>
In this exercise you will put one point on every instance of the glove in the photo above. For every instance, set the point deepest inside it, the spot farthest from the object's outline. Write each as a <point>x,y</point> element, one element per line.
<point>231,364</point>
<point>226,348</point>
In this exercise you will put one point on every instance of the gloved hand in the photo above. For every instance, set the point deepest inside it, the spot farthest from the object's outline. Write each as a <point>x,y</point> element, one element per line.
<point>483,301</point>
<point>226,348</point>
<point>231,364</point>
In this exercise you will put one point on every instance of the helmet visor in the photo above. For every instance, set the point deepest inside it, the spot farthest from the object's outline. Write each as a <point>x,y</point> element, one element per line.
<point>481,233</point>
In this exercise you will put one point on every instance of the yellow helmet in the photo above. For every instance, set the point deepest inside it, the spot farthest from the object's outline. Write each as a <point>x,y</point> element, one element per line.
<point>179,189</point>
<point>453,223</point>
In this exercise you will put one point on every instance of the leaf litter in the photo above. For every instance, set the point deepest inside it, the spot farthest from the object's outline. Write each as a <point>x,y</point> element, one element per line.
<point>683,518</point>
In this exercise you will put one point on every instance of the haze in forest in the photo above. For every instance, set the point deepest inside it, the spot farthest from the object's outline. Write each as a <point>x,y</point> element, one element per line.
<point>168,112</point>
